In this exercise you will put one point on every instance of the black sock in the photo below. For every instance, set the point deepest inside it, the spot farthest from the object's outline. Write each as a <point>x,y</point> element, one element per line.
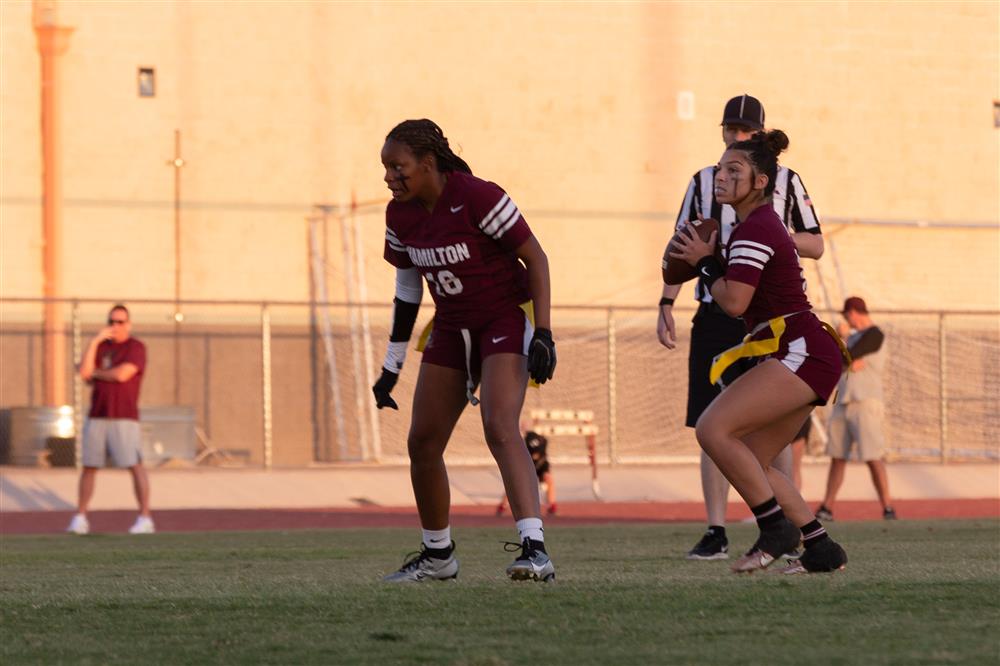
<point>441,553</point>
<point>768,514</point>
<point>717,530</point>
<point>537,545</point>
<point>813,533</point>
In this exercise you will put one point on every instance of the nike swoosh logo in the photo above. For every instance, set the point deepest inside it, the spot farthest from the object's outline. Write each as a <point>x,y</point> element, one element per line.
<point>704,271</point>
<point>500,339</point>
<point>455,209</point>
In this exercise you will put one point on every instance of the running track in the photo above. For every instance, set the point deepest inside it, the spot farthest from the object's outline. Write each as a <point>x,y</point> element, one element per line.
<point>589,513</point>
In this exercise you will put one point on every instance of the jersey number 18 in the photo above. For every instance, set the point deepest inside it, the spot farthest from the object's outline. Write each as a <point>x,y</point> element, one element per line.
<point>445,284</point>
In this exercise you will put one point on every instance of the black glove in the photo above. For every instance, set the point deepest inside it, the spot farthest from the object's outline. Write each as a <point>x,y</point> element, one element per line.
<point>382,389</point>
<point>541,356</point>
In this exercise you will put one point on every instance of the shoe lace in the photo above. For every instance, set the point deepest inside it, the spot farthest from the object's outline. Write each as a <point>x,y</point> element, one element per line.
<point>524,547</point>
<point>415,558</point>
<point>706,539</point>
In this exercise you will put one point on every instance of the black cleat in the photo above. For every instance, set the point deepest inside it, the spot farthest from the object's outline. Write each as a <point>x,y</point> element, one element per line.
<point>711,547</point>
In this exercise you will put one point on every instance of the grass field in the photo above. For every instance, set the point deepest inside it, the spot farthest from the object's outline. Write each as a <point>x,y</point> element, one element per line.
<point>915,592</point>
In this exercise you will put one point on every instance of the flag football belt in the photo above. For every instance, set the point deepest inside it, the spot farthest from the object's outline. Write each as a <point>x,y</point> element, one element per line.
<point>470,385</point>
<point>754,348</point>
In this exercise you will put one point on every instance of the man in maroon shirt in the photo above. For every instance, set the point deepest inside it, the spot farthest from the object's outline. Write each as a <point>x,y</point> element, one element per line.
<point>113,364</point>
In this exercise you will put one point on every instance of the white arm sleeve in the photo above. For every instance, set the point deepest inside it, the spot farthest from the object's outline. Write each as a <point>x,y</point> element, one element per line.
<point>409,285</point>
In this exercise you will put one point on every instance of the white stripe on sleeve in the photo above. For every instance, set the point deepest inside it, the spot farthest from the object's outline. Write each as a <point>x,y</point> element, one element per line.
<point>394,241</point>
<point>496,209</point>
<point>500,219</point>
<point>747,261</point>
<point>749,253</point>
<point>751,245</point>
<point>510,223</point>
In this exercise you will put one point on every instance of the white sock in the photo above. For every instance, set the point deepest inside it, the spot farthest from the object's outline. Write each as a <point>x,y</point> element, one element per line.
<point>530,528</point>
<point>438,539</point>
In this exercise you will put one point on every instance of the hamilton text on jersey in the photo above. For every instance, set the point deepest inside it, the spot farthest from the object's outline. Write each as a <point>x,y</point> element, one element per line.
<point>438,256</point>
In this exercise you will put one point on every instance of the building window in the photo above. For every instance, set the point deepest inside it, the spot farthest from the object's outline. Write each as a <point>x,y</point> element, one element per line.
<point>147,82</point>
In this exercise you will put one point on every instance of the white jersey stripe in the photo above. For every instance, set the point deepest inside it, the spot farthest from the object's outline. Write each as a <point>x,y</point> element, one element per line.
<point>513,219</point>
<point>394,242</point>
<point>707,191</point>
<point>780,200</point>
<point>749,262</point>
<point>809,220</point>
<point>496,209</point>
<point>682,217</point>
<point>752,244</point>
<point>749,253</point>
<point>501,218</point>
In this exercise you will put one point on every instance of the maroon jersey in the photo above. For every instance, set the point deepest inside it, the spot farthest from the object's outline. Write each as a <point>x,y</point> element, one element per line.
<point>760,253</point>
<point>118,400</point>
<point>464,248</point>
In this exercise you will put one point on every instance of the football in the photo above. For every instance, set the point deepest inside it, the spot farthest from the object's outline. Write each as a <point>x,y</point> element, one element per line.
<point>678,271</point>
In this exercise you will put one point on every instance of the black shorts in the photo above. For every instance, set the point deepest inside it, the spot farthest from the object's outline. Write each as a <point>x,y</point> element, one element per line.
<point>803,432</point>
<point>542,469</point>
<point>712,332</point>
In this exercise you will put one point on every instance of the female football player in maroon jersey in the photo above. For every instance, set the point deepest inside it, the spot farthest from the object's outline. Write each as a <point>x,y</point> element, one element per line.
<point>799,359</point>
<point>487,275</point>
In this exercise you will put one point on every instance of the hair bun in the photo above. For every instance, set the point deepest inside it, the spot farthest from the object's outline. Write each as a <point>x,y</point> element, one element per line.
<point>776,141</point>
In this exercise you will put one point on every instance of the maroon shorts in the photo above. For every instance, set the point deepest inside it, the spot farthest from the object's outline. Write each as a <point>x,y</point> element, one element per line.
<point>808,350</point>
<point>508,333</point>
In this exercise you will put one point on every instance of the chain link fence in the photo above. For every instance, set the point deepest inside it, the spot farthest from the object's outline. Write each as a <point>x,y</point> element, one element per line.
<point>271,385</point>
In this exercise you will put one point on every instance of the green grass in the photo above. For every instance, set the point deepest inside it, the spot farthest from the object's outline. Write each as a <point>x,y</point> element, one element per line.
<point>913,593</point>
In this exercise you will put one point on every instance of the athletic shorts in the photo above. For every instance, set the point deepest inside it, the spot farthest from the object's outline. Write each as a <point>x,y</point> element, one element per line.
<point>808,350</point>
<point>119,438</point>
<point>509,333</point>
<point>856,423</point>
<point>542,468</point>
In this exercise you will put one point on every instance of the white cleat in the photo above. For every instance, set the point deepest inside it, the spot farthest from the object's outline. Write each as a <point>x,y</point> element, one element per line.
<point>533,563</point>
<point>79,525</point>
<point>421,566</point>
<point>142,525</point>
<point>771,545</point>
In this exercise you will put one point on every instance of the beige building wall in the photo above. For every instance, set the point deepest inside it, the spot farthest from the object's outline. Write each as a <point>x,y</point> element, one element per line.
<point>572,107</point>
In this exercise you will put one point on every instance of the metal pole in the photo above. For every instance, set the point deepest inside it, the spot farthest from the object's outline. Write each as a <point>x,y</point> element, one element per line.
<point>366,331</point>
<point>360,390</point>
<point>265,339</point>
<point>942,390</point>
<point>612,390</point>
<point>177,162</point>
<point>77,387</point>
<point>326,328</point>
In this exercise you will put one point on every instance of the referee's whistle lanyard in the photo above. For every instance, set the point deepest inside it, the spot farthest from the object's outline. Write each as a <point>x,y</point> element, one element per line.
<point>750,348</point>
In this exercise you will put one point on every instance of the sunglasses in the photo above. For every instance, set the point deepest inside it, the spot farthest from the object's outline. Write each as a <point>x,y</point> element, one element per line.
<point>113,322</point>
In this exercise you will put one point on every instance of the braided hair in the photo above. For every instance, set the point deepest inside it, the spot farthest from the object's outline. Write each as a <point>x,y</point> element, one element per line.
<point>424,136</point>
<point>763,149</point>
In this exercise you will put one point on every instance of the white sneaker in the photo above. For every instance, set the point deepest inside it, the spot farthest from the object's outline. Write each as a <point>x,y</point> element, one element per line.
<point>142,525</point>
<point>79,525</point>
<point>420,566</point>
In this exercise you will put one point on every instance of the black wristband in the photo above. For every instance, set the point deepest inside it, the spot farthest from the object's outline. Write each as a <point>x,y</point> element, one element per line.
<point>666,301</point>
<point>543,333</point>
<point>404,316</point>
<point>709,270</point>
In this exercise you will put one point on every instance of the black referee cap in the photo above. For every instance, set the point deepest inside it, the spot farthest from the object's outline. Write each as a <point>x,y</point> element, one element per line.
<point>744,110</point>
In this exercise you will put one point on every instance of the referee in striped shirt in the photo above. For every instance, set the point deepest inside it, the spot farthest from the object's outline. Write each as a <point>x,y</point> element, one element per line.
<point>713,331</point>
